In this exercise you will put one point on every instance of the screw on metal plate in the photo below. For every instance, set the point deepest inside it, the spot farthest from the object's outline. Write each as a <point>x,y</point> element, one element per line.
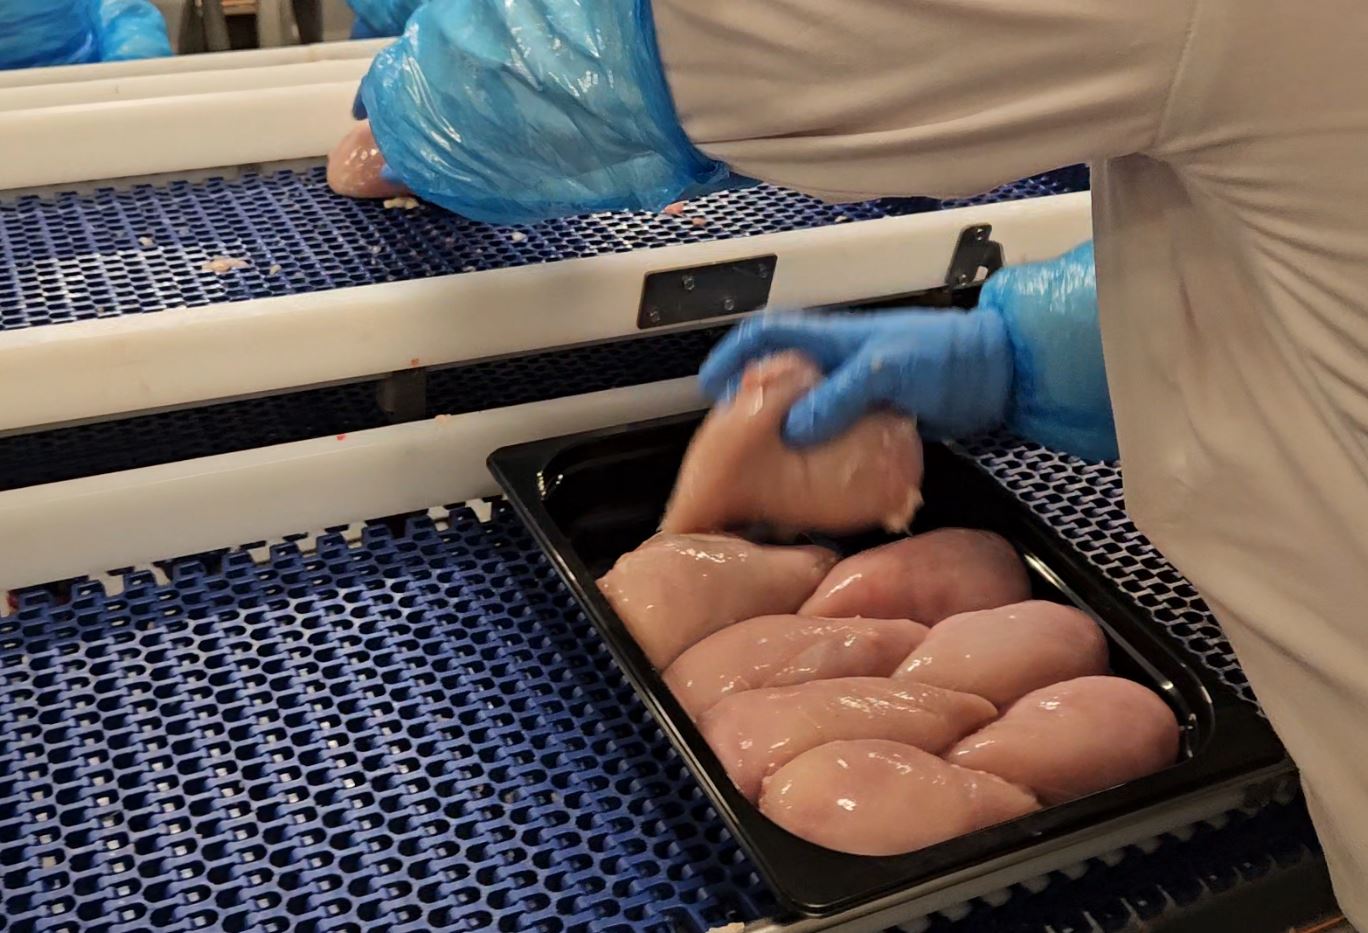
<point>975,252</point>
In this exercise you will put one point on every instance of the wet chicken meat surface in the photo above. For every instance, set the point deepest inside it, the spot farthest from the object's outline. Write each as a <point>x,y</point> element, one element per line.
<point>877,797</point>
<point>927,577</point>
<point>675,590</point>
<point>756,732</point>
<point>739,472</point>
<point>1003,654</point>
<point>1072,739</point>
<point>354,166</point>
<point>777,651</point>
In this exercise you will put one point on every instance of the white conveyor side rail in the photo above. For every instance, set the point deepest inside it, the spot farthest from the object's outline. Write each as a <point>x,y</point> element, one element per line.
<point>147,87</point>
<point>89,525</point>
<point>85,370</point>
<point>133,138</point>
<point>186,64</point>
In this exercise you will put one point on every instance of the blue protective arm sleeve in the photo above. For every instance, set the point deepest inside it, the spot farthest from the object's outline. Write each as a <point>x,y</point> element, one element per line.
<point>46,32</point>
<point>130,29</point>
<point>377,18</point>
<point>1059,394</point>
<point>517,112</point>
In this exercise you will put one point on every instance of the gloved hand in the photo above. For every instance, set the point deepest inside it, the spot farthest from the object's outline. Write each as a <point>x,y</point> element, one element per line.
<point>381,18</point>
<point>70,32</point>
<point>951,369</point>
<point>1029,355</point>
<point>517,112</point>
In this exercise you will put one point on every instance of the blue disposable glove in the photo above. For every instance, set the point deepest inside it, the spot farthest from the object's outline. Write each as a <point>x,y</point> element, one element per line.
<point>1029,355</point>
<point>381,18</point>
<point>514,112</point>
<point>72,32</point>
<point>951,369</point>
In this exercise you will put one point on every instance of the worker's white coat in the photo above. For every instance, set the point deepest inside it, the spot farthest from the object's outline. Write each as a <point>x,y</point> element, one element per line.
<point>1230,145</point>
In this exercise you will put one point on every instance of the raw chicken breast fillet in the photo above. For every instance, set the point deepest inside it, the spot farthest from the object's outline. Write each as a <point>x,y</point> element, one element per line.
<point>927,577</point>
<point>354,166</point>
<point>675,590</point>
<point>1003,654</point>
<point>1076,738</point>
<point>738,470</point>
<point>777,651</point>
<point>757,732</point>
<point>875,797</point>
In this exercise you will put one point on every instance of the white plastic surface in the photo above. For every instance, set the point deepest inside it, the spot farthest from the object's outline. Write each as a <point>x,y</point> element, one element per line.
<point>90,369</point>
<point>90,525</point>
<point>213,61</point>
<point>146,87</point>
<point>82,142</point>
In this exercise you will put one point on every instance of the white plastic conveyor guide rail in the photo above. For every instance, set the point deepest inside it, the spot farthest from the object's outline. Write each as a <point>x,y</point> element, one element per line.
<point>100,368</point>
<point>75,143</point>
<point>59,530</point>
<point>190,83</point>
<point>184,65</point>
<point>140,119</point>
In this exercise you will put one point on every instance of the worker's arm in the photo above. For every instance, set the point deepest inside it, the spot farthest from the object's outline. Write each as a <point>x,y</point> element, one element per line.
<point>869,98</point>
<point>1029,356</point>
<point>1058,394</point>
<point>521,111</point>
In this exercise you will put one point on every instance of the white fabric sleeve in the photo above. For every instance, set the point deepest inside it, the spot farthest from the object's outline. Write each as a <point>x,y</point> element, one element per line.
<point>849,99</point>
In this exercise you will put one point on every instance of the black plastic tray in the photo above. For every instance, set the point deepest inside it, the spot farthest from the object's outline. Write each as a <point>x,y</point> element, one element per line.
<point>589,498</point>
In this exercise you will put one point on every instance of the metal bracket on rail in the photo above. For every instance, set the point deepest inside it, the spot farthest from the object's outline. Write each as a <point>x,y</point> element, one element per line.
<point>975,252</point>
<point>977,255</point>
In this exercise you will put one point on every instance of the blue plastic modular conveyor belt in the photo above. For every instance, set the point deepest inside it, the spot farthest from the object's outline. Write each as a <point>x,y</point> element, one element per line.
<point>421,732</point>
<point>146,248</point>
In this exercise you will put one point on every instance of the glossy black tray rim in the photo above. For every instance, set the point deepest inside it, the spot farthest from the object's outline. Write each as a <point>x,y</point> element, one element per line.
<point>1238,754</point>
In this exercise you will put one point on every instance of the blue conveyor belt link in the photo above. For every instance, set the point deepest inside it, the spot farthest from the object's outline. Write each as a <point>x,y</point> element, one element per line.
<point>421,731</point>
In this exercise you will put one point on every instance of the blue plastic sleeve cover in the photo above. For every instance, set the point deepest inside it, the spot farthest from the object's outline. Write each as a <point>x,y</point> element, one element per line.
<point>1059,393</point>
<point>514,112</point>
<point>46,32</point>
<point>377,18</point>
<point>73,32</point>
<point>131,29</point>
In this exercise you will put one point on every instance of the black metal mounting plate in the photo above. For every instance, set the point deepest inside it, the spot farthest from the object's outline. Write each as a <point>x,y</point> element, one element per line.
<point>701,293</point>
